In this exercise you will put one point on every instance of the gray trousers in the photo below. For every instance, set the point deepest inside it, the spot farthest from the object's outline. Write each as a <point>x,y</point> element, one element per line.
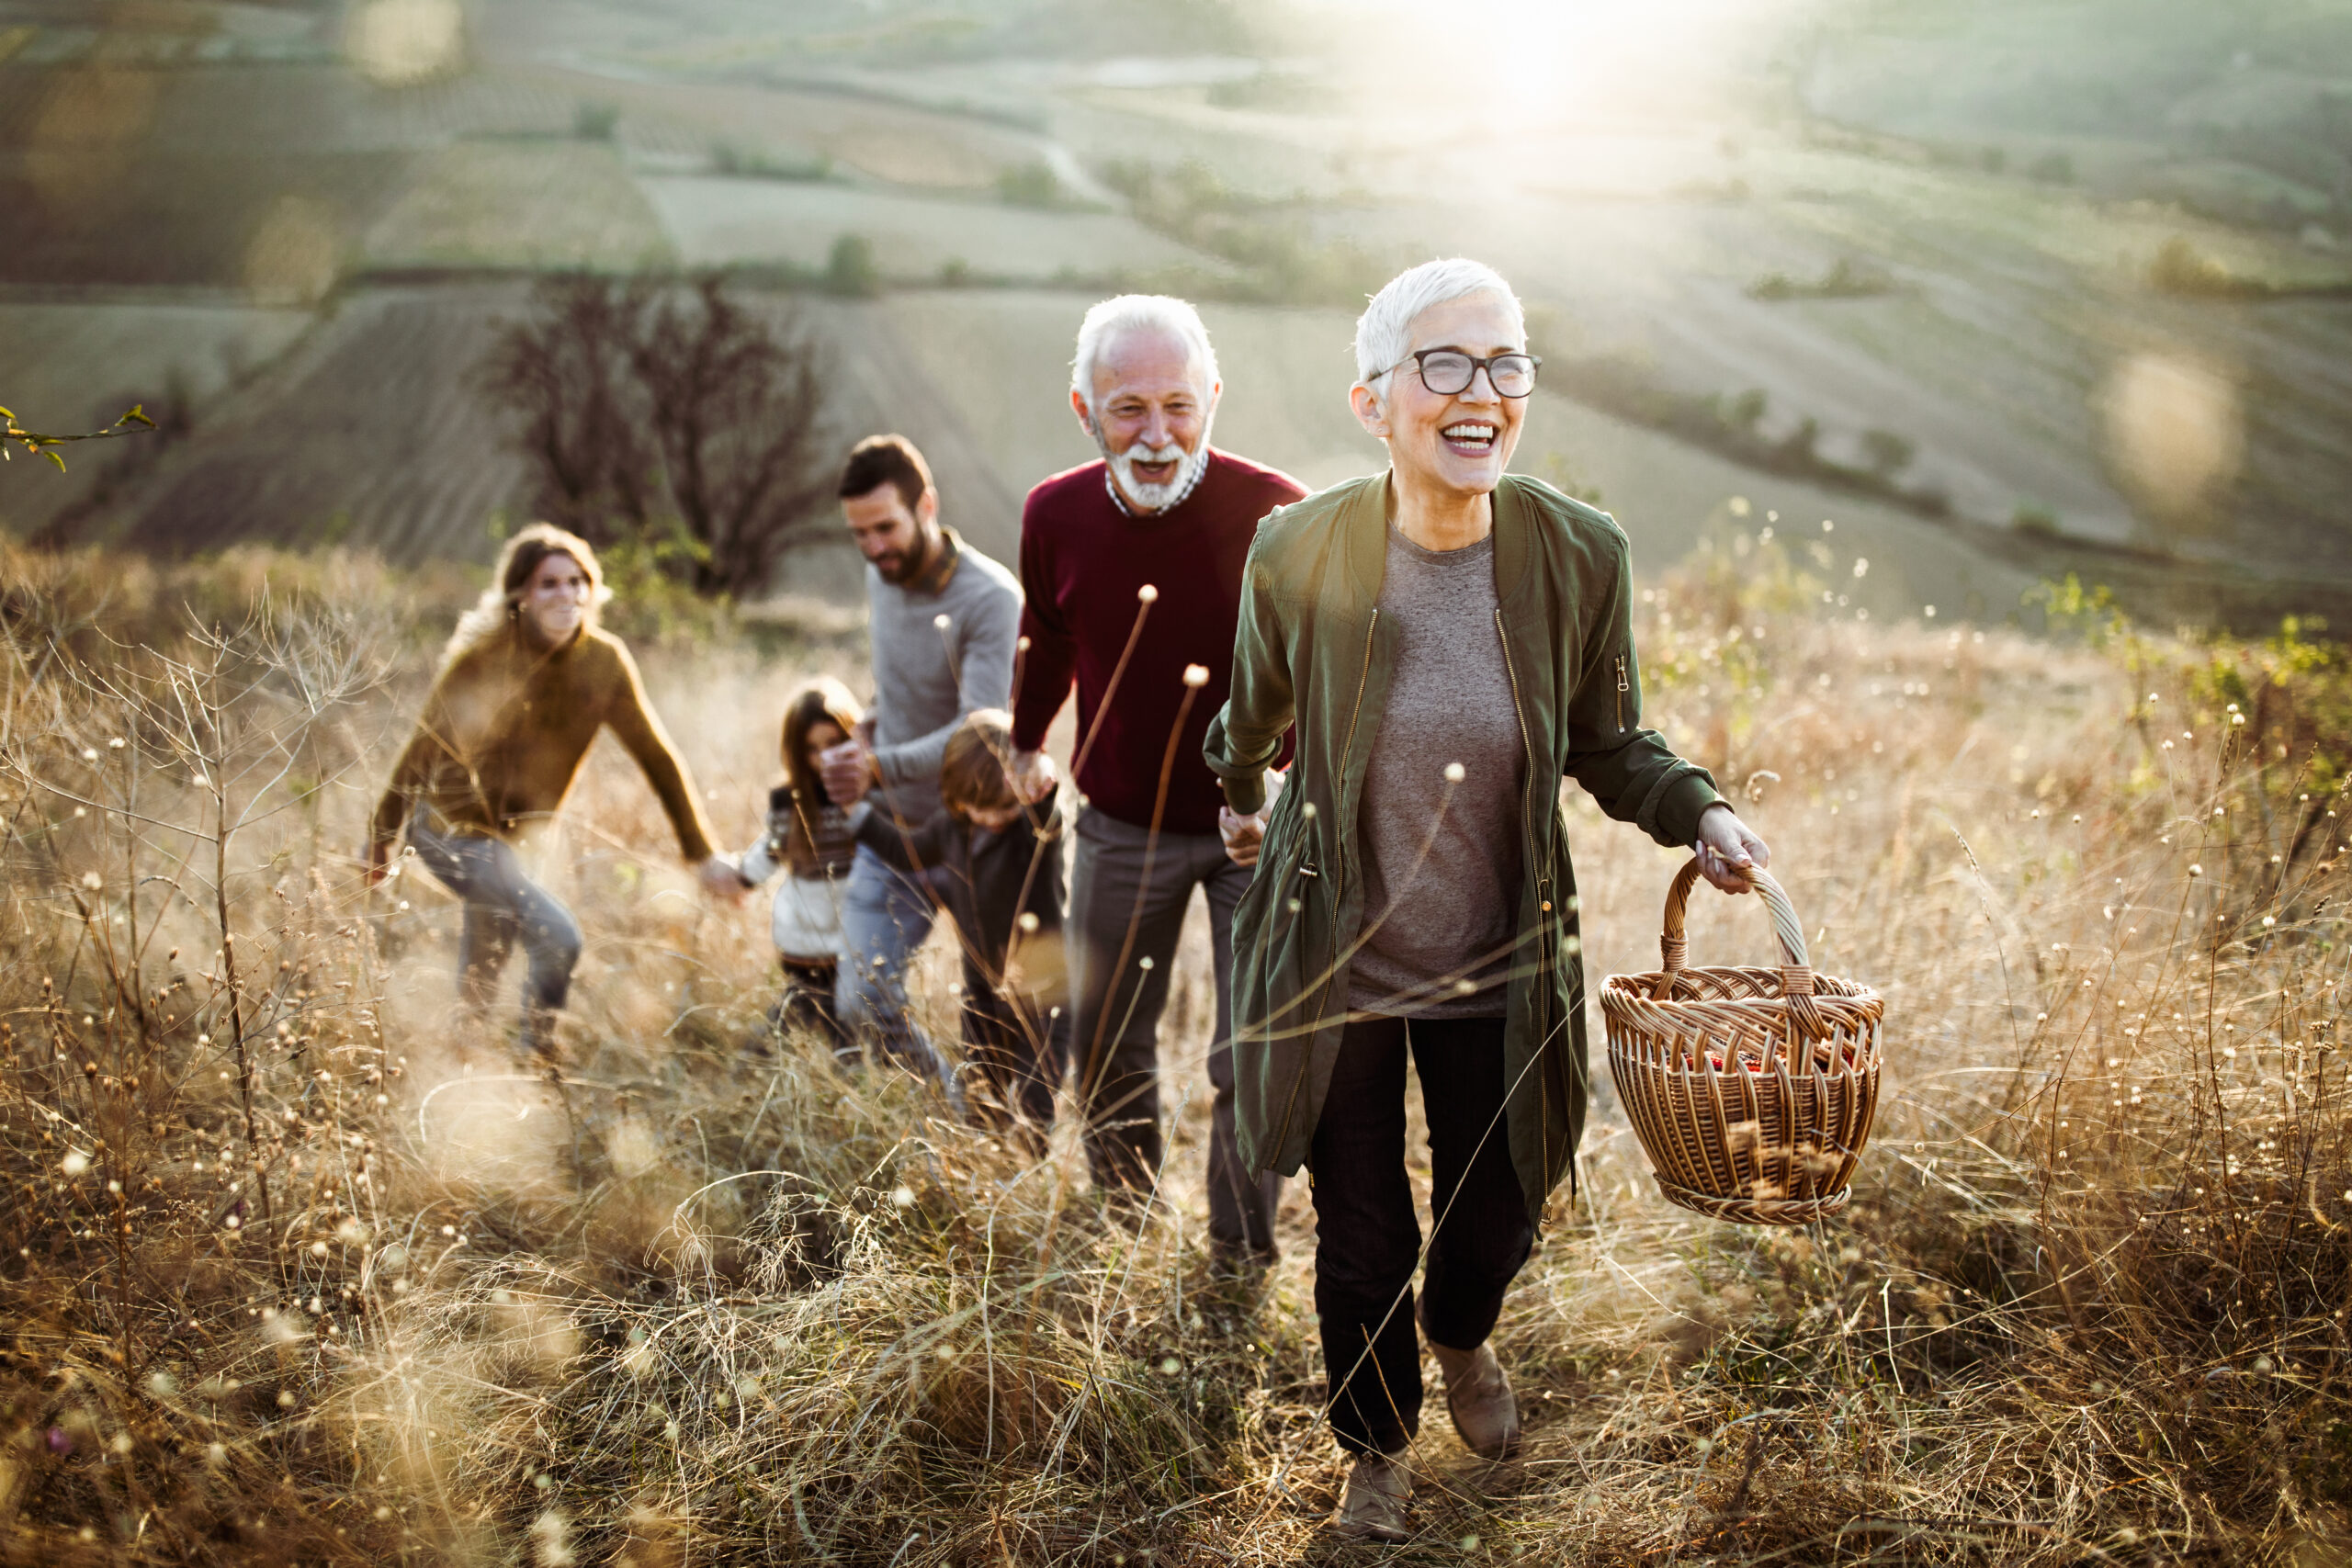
<point>1114,1037</point>
<point>502,905</point>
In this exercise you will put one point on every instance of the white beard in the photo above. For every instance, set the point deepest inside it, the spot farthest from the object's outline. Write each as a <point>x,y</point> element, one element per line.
<point>1160,496</point>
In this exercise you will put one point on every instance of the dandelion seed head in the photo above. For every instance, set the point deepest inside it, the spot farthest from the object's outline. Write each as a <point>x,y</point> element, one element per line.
<point>1454,773</point>
<point>1148,594</point>
<point>1196,676</point>
<point>942,621</point>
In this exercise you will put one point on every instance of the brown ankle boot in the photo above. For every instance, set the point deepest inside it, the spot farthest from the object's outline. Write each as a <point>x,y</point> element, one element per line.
<point>1373,1507</point>
<point>1478,1397</point>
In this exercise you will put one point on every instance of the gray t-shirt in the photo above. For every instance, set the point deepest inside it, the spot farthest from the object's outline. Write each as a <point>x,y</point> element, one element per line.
<point>1441,862</point>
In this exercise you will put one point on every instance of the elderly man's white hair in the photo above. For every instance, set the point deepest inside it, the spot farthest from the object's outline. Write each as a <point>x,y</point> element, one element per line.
<point>1125,312</point>
<point>1383,333</point>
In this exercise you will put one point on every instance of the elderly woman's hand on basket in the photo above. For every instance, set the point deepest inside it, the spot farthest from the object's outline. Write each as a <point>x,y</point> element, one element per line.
<point>1727,850</point>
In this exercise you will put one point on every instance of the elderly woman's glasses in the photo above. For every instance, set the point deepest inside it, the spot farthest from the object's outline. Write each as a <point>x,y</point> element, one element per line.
<point>1447,371</point>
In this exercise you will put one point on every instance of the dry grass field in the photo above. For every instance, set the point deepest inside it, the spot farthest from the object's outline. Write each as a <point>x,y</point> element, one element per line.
<point>299,1267</point>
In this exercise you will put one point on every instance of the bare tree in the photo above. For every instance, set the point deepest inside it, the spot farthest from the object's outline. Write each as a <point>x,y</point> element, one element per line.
<point>662,410</point>
<point>565,372</point>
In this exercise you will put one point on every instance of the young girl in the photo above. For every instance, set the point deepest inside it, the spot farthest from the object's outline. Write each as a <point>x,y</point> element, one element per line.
<point>814,840</point>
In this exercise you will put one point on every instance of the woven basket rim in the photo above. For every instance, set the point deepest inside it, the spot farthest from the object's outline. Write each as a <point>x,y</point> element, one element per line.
<point>1642,986</point>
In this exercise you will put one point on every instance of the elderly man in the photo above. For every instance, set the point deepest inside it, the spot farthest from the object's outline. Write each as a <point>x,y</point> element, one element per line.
<point>1132,568</point>
<point>942,618</point>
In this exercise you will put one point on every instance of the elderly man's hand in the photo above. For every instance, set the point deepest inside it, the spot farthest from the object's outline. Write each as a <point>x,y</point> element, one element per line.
<point>1244,837</point>
<point>849,771</point>
<point>1726,850</point>
<point>1033,775</point>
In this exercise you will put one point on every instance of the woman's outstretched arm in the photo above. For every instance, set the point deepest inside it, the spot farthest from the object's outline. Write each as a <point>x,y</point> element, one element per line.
<point>1631,772</point>
<point>633,720</point>
<point>410,774</point>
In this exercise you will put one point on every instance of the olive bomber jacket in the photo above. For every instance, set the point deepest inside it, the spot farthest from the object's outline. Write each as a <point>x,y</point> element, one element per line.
<point>1311,651</point>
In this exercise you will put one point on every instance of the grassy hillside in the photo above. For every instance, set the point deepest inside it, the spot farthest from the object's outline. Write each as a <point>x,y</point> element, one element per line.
<point>300,1268</point>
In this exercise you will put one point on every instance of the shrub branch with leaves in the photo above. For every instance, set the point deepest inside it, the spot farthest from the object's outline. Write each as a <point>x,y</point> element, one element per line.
<point>37,445</point>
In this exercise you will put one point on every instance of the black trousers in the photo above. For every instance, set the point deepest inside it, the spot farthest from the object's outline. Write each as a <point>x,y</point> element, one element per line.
<point>1367,1237</point>
<point>808,1001</point>
<point>1016,1051</point>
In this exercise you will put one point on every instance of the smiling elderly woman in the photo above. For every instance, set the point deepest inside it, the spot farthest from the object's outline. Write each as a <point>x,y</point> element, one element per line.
<point>1449,641</point>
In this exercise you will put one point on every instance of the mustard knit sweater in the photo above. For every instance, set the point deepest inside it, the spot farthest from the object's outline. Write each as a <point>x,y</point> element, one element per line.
<point>504,729</point>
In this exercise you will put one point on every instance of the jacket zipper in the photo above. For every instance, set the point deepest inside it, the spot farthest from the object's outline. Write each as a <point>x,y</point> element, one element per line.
<point>1527,827</point>
<point>1624,686</point>
<point>1527,743</point>
<point>1338,880</point>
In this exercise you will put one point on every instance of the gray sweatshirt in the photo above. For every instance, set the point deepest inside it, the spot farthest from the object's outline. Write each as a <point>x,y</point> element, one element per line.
<point>928,675</point>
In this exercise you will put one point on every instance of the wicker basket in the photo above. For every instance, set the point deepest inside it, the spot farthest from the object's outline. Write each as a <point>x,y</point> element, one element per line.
<point>1752,1089</point>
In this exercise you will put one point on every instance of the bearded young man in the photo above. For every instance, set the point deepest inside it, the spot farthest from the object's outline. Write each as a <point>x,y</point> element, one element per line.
<point>1159,528</point>
<point>942,621</point>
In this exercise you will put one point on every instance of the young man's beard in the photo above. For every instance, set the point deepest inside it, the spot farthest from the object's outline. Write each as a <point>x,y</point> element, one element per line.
<point>900,568</point>
<point>1154,498</point>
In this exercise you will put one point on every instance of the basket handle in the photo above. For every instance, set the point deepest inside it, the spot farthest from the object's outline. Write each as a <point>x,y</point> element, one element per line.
<point>1796,969</point>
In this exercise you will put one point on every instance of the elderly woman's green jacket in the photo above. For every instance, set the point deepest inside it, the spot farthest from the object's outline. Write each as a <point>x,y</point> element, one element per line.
<point>1312,650</point>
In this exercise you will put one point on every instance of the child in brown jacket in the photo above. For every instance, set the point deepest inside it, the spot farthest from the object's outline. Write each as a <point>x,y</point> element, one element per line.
<point>996,866</point>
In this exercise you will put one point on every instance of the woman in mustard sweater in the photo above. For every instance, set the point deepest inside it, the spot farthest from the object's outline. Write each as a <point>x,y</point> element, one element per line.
<point>526,683</point>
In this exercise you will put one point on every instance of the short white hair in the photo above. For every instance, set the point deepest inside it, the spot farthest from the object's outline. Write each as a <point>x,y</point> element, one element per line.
<point>1127,312</point>
<point>1384,331</point>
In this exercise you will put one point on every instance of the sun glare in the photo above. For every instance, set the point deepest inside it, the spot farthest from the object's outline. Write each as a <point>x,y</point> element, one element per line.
<point>1543,62</point>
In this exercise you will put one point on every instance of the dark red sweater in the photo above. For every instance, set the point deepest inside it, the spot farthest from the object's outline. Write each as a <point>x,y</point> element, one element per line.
<point>1082,560</point>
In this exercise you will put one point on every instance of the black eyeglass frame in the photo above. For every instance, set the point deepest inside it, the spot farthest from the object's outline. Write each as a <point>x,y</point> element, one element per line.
<point>1419,358</point>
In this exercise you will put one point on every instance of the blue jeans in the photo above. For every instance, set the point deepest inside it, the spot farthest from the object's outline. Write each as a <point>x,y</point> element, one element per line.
<point>503,905</point>
<point>886,915</point>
